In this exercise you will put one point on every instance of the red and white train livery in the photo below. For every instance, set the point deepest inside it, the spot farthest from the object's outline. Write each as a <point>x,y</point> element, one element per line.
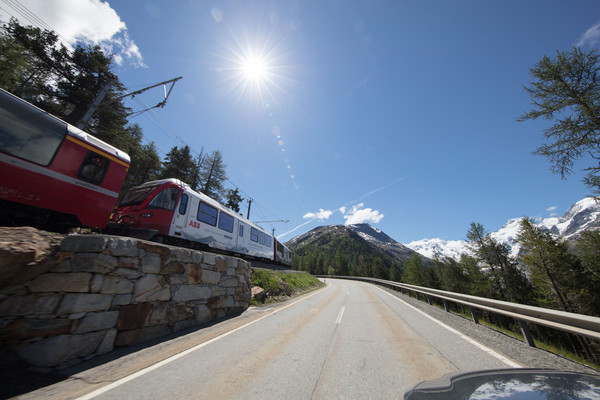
<point>53,171</point>
<point>171,211</point>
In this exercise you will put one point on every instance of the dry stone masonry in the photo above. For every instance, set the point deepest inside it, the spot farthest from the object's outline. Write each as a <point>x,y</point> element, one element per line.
<point>99,292</point>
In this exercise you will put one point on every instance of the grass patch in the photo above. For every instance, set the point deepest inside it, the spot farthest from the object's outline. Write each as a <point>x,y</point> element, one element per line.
<point>280,285</point>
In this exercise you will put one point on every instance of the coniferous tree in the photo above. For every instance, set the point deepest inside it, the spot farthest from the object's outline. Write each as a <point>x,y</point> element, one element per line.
<point>555,273</point>
<point>478,283</point>
<point>212,176</point>
<point>179,164</point>
<point>451,275</point>
<point>588,251</point>
<point>233,199</point>
<point>566,89</point>
<point>508,281</point>
<point>145,162</point>
<point>414,271</point>
<point>35,66</point>
<point>395,274</point>
<point>378,269</point>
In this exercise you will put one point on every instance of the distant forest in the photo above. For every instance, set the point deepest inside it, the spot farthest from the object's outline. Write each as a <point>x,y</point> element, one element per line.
<point>37,67</point>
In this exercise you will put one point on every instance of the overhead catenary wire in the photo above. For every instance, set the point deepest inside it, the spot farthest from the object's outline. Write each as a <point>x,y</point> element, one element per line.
<point>258,209</point>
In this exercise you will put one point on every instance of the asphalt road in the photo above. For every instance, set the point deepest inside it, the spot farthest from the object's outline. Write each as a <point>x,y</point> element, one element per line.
<point>348,340</point>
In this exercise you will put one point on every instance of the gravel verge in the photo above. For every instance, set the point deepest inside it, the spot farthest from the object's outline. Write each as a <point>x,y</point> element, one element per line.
<point>513,348</point>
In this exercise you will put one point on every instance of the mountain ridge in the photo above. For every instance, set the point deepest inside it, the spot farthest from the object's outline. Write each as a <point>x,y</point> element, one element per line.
<point>581,216</point>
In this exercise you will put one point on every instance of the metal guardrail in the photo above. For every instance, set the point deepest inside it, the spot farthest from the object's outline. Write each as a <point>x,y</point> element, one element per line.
<point>578,324</point>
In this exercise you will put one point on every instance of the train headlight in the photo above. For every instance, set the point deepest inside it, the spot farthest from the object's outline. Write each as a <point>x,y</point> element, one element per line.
<point>146,215</point>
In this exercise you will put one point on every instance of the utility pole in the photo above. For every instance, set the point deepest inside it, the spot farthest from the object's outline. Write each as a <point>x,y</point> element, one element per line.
<point>273,229</point>
<point>94,106</point>
<point>249,204</point>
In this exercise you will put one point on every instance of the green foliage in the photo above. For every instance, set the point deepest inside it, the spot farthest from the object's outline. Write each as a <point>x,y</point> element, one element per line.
<point>508,281</point>
<point>343,252</point>
<point>212,176</point>
<point>179,164</point>
<point>35,66</point>
<point>566,89</point>
<point>278,283</point>
<point>233,199</point>
<point>556,275</point>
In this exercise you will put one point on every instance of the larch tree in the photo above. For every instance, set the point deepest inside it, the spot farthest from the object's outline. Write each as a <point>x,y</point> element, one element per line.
<point>212,176</point>
<point>566,90</point>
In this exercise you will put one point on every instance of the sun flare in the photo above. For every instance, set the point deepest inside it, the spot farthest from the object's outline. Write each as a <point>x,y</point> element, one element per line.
<point>255,69</point>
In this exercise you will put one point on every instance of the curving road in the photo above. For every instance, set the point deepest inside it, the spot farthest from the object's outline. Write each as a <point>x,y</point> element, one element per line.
<point>348,340</point>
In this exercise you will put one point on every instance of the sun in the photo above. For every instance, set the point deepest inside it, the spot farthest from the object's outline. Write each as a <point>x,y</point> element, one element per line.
<point>255,69</point>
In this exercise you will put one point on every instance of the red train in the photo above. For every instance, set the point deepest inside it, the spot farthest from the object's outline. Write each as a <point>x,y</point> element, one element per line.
<point>54,175</point>
<point>52,172</point>
<point>169,210</point>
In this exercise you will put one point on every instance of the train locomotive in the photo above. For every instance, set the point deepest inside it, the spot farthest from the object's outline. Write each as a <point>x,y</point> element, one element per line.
<point>169,211</point>
<point>52,174</point>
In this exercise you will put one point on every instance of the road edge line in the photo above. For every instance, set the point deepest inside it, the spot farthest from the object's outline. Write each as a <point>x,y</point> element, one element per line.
<point>184,353</point>
<point>493,353</point>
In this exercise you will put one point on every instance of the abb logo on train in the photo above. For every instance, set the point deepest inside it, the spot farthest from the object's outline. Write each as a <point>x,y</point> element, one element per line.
<point>170,210</point>
<point>55,171</point>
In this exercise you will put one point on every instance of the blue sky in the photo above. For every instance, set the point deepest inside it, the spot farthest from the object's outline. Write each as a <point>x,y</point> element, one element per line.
<point>401,114</point>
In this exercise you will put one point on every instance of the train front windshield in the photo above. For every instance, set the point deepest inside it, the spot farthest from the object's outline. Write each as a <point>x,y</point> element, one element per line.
<point>136,195</point>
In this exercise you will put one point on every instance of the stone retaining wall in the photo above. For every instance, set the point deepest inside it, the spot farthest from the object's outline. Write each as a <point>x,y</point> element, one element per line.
<point>99,292</point>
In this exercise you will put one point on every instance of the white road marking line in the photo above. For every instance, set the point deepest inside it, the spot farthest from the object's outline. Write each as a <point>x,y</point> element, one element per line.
<point>166,361</point>
<point>338,320</point>
<point>475,343</point>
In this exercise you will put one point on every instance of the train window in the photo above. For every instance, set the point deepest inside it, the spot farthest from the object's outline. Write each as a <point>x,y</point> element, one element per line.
<point>254,234</point>
<point>183,204</point>
<point>28,132</point>
<point>93,168</point>
<point>207,214</point>
<point>241,230</point>
<point>166,199</point>
<point>136,195</point>
<point>261,237</point>
<point>226,222</point>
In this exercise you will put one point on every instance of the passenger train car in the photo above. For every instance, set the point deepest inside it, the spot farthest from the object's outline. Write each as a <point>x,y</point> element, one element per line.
<point>53,171</point>
<point>169,210</point>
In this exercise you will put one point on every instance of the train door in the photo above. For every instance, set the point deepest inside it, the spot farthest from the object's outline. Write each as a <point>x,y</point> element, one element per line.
<point>180,218</point>
<point>242,237</point>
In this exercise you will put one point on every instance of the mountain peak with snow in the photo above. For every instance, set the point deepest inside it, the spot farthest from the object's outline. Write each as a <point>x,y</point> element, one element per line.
<point>371,234</point>
<point>583,215</point>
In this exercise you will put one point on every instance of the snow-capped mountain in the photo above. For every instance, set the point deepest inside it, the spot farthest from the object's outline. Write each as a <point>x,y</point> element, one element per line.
<point>583,215</point>
<point>383,241</point>
<point>439,247</point>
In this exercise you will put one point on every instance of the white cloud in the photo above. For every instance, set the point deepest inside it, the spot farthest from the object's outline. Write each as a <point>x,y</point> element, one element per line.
<point>81,21</point>
<point>550,209</point>
<point>321,215</point>
<point>358,215</point>
<point>590,37</point>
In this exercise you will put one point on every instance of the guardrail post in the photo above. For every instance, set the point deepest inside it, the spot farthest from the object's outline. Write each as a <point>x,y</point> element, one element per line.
<point>446,305</point>
<point>526,333</point>
<point>474,315</point>
<point>428,299</point>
